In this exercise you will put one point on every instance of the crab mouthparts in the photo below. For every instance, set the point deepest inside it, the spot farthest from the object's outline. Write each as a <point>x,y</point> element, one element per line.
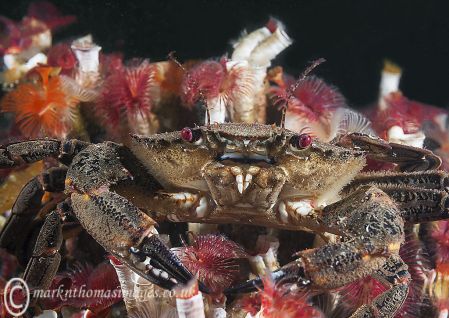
<point>245,157</point>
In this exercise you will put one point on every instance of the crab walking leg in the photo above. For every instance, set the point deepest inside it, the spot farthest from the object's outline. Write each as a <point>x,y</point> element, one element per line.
<point>420,205</point>
<point>421,196</point>
<point>23,212</point>
<point>394,274</point>
<point>27,152</point>
<point>19,153</point>
<point>433,180</point>
<point>373,231</point>
<point>25,209</point>
<point>406,157</point>
<point>328,267</point>
<point>45,260</point>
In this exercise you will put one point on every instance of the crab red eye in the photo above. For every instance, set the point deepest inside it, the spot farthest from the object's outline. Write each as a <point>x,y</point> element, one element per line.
<point>187,134</point>
<point>301,141</point>
<point>304,141</point>
<point>191,135</point>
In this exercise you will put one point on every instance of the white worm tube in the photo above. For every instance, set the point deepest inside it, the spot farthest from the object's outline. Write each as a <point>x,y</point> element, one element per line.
<point>248,42</point>
<point>242,104</point>
<point>217,313</point>
<point>189,301</point>
<point>253,53</point>
<point>125,277</point>
<point>267,50</point>
<point>48,314</point>
<point>257,264</point>
<point>142,298</point>
<point>389,82</point>
<point>396,134</point>
<point>87,54</point>
<point>217,110</point>
<point>443,313</point>
<point>271,245</point>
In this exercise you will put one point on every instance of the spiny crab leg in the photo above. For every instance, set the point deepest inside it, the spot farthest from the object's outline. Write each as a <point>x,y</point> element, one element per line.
<point>45,259</point>
<point>373,233</point>
<point>406,157</point>
<point>25,210</point>
<point>421,196</point>
<point>16,154</point>
<point>114,222</point>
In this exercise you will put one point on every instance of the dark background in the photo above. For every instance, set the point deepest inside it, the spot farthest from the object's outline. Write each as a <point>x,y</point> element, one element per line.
<point>354,36</point>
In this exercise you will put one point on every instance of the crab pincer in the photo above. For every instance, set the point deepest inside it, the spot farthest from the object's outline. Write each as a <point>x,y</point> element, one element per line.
<point>290,273</point>
<point>130,235</point>
<point>407,158</point>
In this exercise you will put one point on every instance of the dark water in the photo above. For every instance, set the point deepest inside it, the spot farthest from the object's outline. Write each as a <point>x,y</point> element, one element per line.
<point>354,36</point>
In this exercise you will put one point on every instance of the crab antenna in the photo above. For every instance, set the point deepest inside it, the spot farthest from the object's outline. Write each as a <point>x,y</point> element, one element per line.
<point>171,57</point>
<point>291,90</point>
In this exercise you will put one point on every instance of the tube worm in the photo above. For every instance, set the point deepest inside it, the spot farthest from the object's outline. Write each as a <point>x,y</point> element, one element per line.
<point>313,106</point>
<point>189,301</point>
<point>42,108</point>
<point>87,54</point>
<point>219,85</point>
<point>61,55</point>
<point>22,47</point>
<point>214,259</point>
<point>126,93</point>
<point>142,298</point>
<point>283,301</point>
<point>395,117</point>
<point>257,49</point>
<point>265,258</point>
<point>439,291</point>
<point>49,14</point>
<point>234,89</point>
<point>126,280</point>
<point>389,82</point>
<point>86,278</point>
<point>22,43</point>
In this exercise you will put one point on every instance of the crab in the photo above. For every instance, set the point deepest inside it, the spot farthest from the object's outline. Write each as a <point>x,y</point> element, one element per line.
<point>234,173</point>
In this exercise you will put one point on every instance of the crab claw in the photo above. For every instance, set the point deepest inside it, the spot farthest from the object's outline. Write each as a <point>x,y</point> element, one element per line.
<point>290,273</point>
<point>154,261</point>
<point>406,157</point>
<point>254,284</point>
<point>129,234</point>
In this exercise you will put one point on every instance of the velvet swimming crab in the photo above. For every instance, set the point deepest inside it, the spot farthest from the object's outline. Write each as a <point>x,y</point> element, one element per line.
<point>235,173</point>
